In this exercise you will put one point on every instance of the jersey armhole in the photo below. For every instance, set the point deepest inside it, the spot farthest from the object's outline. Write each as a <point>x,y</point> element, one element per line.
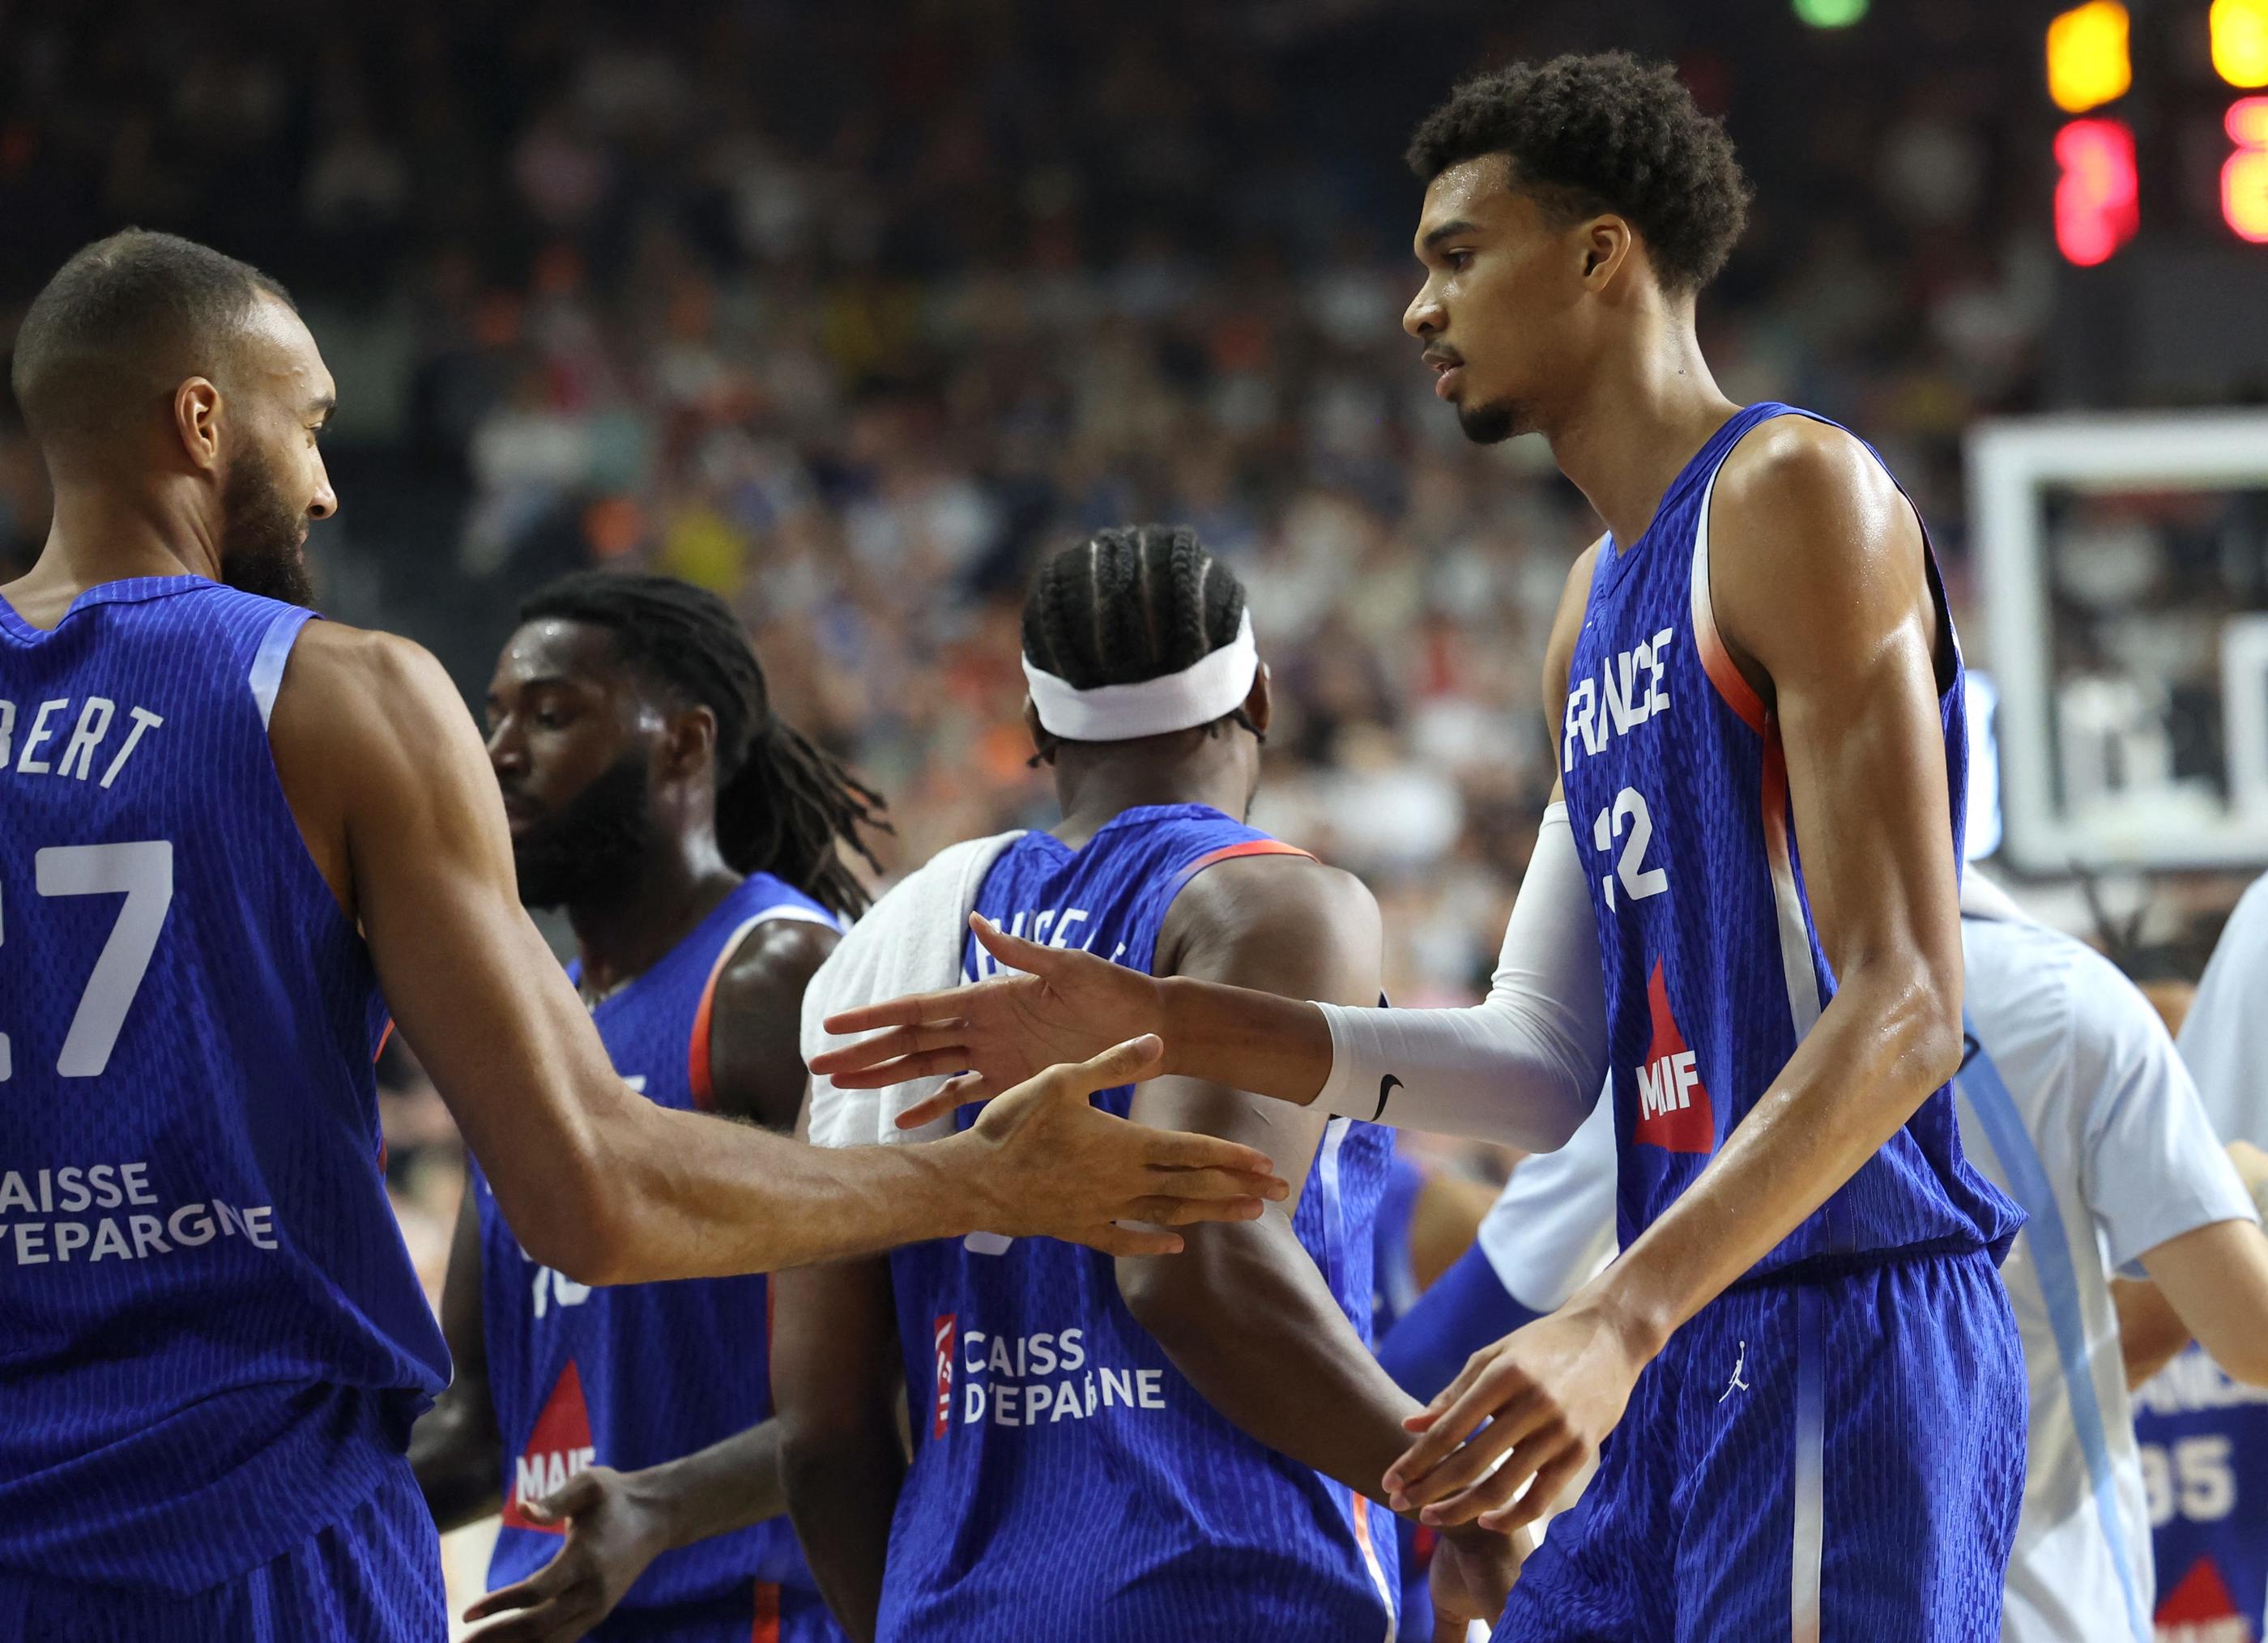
<point>266,674</point>
<point>1242,850</point>
<point>699,1075</point>
<point>1717,661</point>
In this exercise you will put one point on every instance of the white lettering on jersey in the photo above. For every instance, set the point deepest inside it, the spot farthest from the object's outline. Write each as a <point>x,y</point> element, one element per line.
<point>1628,693</point>
<point>1667,1086</point>
<point>88,733</point>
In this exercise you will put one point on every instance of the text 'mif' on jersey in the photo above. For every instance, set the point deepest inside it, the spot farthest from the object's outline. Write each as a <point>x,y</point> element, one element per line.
<point>1676,789</point>
<point>212,1336</point>
<point>1067,1482</point>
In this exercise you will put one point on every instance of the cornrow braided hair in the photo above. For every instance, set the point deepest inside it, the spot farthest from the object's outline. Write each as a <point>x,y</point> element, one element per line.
<point>783,806</point>
<point>1131,603</point>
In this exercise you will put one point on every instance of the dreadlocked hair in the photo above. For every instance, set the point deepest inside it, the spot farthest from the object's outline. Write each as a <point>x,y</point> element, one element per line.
<point>1133,603</point>
<point>783,806</point>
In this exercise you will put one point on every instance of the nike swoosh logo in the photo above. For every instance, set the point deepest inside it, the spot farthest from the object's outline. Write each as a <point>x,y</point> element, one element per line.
<point>1385,1087</point>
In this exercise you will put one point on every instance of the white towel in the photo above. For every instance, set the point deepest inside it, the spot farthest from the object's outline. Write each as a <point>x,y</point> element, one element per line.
<point>911,941</point>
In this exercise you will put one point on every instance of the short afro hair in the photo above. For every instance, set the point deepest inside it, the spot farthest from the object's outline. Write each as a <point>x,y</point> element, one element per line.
<point>1602,133</point>
<point>128,317</point>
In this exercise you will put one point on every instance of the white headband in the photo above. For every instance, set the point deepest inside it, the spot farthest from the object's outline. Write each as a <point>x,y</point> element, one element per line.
<point>1213,684</point>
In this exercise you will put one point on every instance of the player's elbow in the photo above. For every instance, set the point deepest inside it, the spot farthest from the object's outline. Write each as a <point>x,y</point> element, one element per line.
<point>1918,1004</point>
<point>584,1230</point>
<point>1176,1297</point>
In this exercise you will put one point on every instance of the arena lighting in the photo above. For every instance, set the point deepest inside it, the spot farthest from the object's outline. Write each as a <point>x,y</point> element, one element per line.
<point>1830,13</point>
<point>2096,208</point>
<point>2087,64</point>
<point>2240,41</point>
<point>2244,174</point>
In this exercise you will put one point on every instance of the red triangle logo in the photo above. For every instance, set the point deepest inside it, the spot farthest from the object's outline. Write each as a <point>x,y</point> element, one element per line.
<point>558,1448</point>
<point>1673,1104</point>
<point>2203,1596</point>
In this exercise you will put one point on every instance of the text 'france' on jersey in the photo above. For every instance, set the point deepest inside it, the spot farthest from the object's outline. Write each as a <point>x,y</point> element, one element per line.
<point>635,1374</point>
<point>1676,782</point>
<point>1067,1482</point>
<point>212,1336</point>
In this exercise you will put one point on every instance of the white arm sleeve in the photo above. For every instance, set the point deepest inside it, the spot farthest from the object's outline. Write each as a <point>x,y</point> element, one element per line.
<point>1525,1065</point>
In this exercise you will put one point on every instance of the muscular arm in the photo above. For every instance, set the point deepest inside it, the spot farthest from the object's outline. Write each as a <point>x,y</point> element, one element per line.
<point>1822,595</point>
<point>394,794</point>
<point>755,1062</point>
<point>455,1448</point>
<point>836,1386</point>
<point>1245,1314</point>
<point>1524,1065</point>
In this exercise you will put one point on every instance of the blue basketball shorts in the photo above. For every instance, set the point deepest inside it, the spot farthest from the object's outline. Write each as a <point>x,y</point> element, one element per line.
<point>1837,1458</point>
<point>755,1613</point>
<point>374,1576</point>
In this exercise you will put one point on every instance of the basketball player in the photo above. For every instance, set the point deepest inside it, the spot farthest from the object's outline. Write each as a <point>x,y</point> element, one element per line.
<point>2073,1097</point>
<point>1121,1453</point>
<point>1743,902</point>
<point>226,827</point>
<point>695,841</point>
<point>2204,1430</point>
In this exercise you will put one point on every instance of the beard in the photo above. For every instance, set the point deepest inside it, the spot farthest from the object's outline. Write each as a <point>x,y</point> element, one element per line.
<point>1493,423</point>
<point>263,536</point>
<point>592,846</point>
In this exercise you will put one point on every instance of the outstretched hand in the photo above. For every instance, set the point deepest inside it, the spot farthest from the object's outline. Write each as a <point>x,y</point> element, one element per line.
<point>1056,1165</point>
<point>1528,1413</point>
<point>1063,1006</point>
<point>612,1536</point>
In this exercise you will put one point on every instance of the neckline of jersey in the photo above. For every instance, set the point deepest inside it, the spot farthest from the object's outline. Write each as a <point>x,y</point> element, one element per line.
<point>130,590</point>
<point>1126,817</point>
<point>732,907</point>
<point>1615,558</point>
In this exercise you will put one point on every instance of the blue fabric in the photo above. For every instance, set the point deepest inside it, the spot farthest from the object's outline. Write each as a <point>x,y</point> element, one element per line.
<point>2051,1257</point>
<point>2205,1451</point>
<point>1067,1483</point>
<point>1676,799</point>
<point>1466,1308</point>
<point>776,1614</point>
<point>1689,1530</point>
<point>374,1576</point>
<point>212,1340</point>
<point>637,1374</point>
<point>1393,1269</point>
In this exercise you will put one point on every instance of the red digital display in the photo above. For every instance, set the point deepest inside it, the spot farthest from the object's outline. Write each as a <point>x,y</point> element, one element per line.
<point>2097,206</point>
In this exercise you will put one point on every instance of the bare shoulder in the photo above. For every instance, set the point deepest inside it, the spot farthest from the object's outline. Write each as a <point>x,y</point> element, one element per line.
<point>775,961</point>
<point>1259,917</point>
<point>1805,522</point>
<point>359,674</point>
<point>1797,492</point>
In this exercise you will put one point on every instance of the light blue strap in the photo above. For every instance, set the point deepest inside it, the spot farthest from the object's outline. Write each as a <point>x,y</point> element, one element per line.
<point>1981,1086</point>
<point>267,675</point>
<point>1810,1539</point>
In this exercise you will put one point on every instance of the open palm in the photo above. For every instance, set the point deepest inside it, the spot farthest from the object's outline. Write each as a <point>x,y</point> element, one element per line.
<point>1057,1004</point>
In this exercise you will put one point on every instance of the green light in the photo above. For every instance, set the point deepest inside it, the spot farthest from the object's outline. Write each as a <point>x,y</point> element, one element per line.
<point>1830,13</point>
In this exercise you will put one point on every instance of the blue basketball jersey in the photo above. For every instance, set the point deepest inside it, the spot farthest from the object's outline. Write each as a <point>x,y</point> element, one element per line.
<point>1067,1483</point>
<point>635,1374</point>
<point>1393,1267</point>
<point>2204,1469</point>
<point>1676,783</point>
<point>211,1339</point>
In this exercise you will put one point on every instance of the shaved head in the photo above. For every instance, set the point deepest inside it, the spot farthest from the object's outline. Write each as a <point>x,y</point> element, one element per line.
<point>122,324</point>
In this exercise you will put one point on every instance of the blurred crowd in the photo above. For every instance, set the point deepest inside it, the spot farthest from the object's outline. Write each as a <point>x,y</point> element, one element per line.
<point>852,311</point>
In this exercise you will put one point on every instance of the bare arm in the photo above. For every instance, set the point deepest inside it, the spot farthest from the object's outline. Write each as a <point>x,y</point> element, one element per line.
<point>1525,1065</point>
<point>755,1060</point>
<point>2214,1281</point>
<point>1820,593</point>
<point>455,1449</point>
<point>1244,1314</point>
<point>2151,1334</point>
<point>838,1387</point>
<point>393,792</point>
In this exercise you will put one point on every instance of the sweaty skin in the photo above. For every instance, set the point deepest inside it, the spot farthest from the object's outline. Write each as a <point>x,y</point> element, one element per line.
<point>1821,595</point>
<point>1246,1316</point>
<point>387,779</point>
